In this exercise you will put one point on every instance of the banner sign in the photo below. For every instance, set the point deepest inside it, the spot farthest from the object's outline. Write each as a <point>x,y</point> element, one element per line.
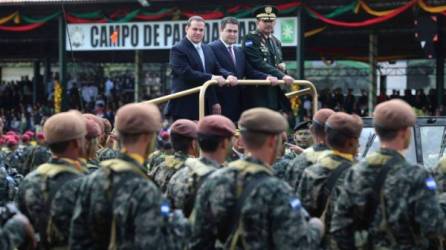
<point>160,35</point>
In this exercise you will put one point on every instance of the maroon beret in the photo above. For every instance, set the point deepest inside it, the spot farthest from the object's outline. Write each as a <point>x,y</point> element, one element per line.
<point>185,128</point>
<point>394,114</point>
<point>93,129</point>
<point>216,125</point>
<point>321,116</point>
<point>97,119</point>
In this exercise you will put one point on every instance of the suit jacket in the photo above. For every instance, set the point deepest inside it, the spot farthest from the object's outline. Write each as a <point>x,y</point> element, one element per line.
<point>231,99</point>
<point>188,72</point>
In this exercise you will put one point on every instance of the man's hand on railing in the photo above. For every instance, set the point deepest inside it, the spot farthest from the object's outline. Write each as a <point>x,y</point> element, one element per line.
<point>216,109</point>
<point>288,79</point>
<point>273,80</point>
<point>232,80</point>
<point>220,80</point>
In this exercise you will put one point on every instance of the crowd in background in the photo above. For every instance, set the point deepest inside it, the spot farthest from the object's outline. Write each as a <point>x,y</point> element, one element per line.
<point>103,96</point>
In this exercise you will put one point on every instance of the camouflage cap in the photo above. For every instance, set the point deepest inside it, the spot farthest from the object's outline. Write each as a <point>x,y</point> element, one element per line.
<point>321,116</point>
<point>216,125</point>
<point>93,129</point>
<point>262,120</point>
<point>138,118</point>
<point>64,126</point>
<point>394,114</point>
<point>97,119</point>
<point>184,127</point>
<point>349,125</point>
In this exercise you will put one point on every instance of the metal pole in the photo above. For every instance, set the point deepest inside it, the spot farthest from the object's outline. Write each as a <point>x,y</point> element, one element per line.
<point>373,52</point>
<point>440,67</point>
<point>300,59</point>
<point>62,61</point>
<point>138,76</point>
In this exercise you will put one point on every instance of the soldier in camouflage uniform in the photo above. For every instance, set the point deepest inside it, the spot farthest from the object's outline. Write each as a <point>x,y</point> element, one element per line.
<point>119,207</point>
<point>264,52</point>
<point>88,160</point>
<point>38,155</point>
<point>244,206</point>
<point>109,149</point>
<point>164,147</point>
<point>214,139</point>
<point>293,171</point>
<point>15,231</point>
<point>320,183</point>
<point>47,195</point>
<point>386,202</point>
<point>183,134</point>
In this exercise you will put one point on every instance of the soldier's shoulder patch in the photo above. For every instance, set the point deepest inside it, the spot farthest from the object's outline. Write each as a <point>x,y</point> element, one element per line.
<point>295,203</point>
<point>430,183</point>
<point>249,43</point>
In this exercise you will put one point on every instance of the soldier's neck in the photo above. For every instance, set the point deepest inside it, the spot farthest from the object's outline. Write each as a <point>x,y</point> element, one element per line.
<point>215,156</point>
<point>262,154</point>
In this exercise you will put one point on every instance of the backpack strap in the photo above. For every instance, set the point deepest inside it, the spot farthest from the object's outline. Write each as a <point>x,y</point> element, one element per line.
<point>50,170</point>
<point>244,188</point>
<point>119,166</point>
<point>323,198</point>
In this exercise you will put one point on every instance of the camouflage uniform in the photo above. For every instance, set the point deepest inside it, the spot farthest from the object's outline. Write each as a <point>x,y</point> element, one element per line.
<point>106,153</point>
<point>440,175</point>
<point>293,171</point>
<point>270,217</point>
<point>12,235</point>
<point>120,208</point>
<point>38,155</point>
<point>155,159</point>
<point>280,165</point>
<point>91,165</point>
<point>408,215</point>
<point>47,196</point>
<point>319,186</point>
<point>184,184</point>
<point>162,173</point>
<point>8,186</point>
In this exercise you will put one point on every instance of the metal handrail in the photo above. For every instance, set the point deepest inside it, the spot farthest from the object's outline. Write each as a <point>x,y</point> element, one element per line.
<point>310,88</point>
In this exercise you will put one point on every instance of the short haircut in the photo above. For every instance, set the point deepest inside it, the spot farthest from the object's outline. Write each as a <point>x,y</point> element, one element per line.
<point>59,147</point>
<point>335,139</point>
<point>386,134</point>
<point>228,20</point>
<point>194,18</point>
<point>254,140</point>
<point>209,143</point>
<point>180,143</point>
<point>128,138</point>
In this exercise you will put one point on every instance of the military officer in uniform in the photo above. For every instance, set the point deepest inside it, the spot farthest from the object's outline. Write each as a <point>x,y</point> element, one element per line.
<point>119,207</point>
<point>264,52</point>
<point>183,134</point>
<point>385,201</point>
<point>47,195</point>
<point>214,139</point>
<point>244,206</point>
<point>16,232</point>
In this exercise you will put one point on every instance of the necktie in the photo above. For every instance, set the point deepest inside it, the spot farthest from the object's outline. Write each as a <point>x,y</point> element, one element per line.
<point>231,52</point>
<point>201,54</point>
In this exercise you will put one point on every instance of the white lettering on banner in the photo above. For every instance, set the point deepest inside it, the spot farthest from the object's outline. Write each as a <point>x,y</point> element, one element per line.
<point>160,35</point>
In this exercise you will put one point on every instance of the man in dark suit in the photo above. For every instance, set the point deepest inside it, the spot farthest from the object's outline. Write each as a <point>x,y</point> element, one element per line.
<point>233,59</point>
<point>193,63</point>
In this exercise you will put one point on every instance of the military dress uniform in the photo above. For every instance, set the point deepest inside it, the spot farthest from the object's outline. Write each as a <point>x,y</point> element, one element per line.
<point>265,54</point>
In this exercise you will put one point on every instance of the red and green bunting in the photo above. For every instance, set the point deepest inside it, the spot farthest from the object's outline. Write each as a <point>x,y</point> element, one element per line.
<point>21,23</point>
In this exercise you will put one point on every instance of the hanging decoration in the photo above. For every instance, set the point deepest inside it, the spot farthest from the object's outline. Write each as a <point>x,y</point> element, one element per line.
<point>19,22</point>
<point>57,96</point>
